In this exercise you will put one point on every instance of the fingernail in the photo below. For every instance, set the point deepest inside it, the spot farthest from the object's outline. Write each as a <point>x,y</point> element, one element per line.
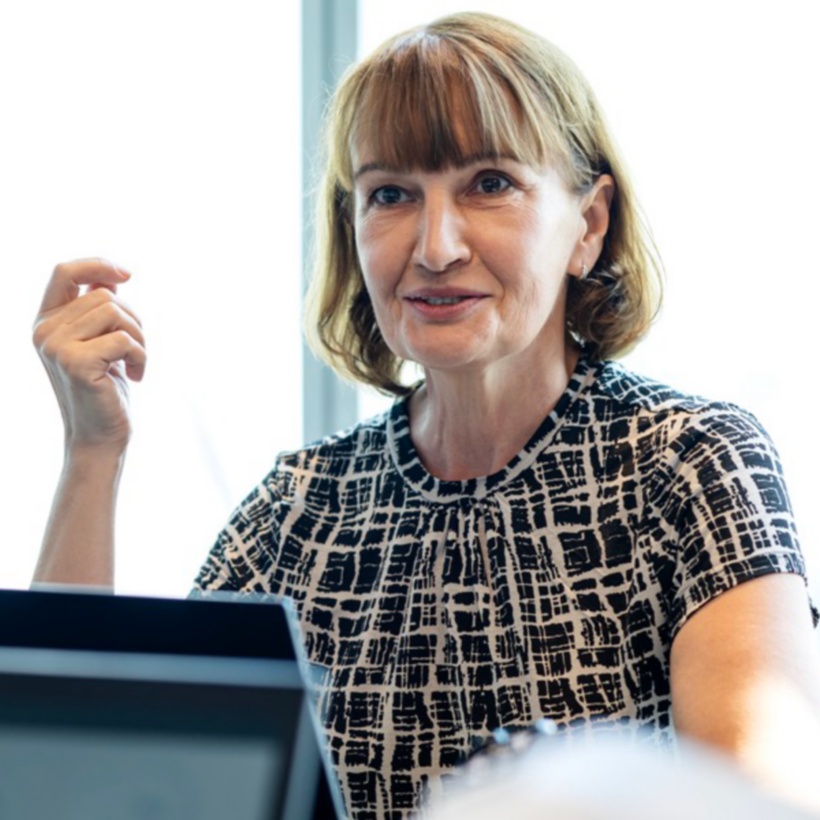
<point>123,274</point>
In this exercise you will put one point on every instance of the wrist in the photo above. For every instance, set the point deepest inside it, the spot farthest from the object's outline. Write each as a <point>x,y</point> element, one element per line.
<point>93,460</point>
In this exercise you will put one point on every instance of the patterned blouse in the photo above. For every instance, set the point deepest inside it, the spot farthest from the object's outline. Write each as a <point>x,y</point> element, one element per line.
<point>440,610</point>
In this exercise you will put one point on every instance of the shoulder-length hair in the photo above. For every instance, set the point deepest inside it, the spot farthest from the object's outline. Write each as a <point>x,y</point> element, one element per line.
<point>518,95</point>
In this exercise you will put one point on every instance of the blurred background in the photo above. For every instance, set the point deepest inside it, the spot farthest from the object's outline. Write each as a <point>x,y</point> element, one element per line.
<point>168,136</point>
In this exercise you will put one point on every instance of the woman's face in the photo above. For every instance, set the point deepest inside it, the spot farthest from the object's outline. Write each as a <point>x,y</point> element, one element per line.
<point>466,267</point>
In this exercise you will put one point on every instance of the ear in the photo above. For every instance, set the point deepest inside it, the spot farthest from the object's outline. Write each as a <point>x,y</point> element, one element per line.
<point>595,205</point>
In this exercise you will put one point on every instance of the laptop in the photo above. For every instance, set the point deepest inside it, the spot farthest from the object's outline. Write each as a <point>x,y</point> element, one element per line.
<point>128,707</point>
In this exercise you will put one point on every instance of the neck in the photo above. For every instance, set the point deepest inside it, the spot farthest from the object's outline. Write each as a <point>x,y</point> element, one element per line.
<point>466,425</point>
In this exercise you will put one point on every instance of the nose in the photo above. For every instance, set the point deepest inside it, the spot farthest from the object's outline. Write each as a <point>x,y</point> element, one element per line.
<point>441,242</point>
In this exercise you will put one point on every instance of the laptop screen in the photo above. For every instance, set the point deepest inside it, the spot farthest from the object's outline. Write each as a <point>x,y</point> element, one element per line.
<point>150,708</point>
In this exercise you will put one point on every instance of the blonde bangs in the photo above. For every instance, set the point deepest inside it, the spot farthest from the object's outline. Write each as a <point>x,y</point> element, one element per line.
<point>430,106</point>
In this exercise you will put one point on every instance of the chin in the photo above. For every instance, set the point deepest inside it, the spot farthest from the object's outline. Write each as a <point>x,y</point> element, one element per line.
<point>447,352</point>
<point>450,361</point>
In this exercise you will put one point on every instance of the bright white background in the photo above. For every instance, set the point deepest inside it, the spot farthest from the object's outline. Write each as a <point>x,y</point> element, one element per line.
<point>714,107</point>
<point>164,135</point>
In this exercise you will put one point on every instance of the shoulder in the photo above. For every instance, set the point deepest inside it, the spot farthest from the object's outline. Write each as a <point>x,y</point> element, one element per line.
<point>313,473</point>
<point>716,507</point>
<point>302,487</point>
<point>681,421</point>
<point>642,395</point>
<point>687,449</point>
<point>343,455</point>
<point>336,457</point>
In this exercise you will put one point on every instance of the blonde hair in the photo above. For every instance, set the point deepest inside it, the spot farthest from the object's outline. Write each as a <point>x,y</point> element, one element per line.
<point>518,96</point>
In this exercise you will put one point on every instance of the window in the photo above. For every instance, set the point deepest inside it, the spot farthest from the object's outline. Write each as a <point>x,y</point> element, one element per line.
<point>163,135</point>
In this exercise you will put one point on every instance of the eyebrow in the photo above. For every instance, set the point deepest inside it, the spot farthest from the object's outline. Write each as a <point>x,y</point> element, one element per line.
<point>472,159</point>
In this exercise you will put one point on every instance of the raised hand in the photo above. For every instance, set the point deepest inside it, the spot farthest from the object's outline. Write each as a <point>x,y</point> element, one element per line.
<point>91,344</point>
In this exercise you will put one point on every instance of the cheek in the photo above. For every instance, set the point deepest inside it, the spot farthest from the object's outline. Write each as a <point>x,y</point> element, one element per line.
<point>370,253</point>
<point>537,263</point>
<point>382,265</point>
<point>550,247</point>
<point>378,286</point>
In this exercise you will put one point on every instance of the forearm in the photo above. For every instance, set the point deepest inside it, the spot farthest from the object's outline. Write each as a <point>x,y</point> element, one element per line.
<point>78,546</point>
<point>746,679</point>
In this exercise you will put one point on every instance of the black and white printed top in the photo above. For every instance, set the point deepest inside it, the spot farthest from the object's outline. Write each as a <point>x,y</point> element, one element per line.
<point>440,610</point>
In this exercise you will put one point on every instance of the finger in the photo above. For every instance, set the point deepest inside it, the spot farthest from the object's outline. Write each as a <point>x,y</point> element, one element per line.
<point>119,346</point>
<point>68,277</point>
<point>90,362</point>
<point>104,318</point>
<point>135,371</point>
<point>57,318</point>
<point>122,303</point>
<point>102,286</point>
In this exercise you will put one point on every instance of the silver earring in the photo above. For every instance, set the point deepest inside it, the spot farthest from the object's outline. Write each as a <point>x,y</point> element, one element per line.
<point>584,270</point>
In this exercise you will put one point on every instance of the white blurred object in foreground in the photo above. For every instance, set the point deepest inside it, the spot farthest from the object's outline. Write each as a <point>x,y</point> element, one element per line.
<point>606,778</point>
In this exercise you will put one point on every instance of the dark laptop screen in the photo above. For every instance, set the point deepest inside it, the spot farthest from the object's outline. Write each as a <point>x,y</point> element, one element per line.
<point>149,708</point>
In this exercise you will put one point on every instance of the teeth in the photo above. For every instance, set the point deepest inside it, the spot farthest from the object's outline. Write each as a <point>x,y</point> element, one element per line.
<point>443,300</point>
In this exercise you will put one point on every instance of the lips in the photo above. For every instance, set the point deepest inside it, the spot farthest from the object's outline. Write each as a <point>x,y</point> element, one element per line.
<point>442,295</point>
<point>443,303</point>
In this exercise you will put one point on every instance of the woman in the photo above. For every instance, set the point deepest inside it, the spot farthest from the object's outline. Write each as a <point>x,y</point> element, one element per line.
<point>532,531</point>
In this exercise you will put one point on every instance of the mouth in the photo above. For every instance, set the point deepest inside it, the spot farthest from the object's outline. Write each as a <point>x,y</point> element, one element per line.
<point>443,306</point>
<point>440,300</point>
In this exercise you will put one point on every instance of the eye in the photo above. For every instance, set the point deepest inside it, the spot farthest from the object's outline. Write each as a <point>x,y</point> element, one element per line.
<point>492,183</point>
<point>389,195</point>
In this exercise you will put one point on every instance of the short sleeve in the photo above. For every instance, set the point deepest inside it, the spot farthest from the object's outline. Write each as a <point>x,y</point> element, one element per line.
<point>728,510</point>
<point>244,553</point>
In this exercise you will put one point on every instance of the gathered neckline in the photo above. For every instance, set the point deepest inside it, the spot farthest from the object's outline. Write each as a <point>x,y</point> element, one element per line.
<point>409,464</point>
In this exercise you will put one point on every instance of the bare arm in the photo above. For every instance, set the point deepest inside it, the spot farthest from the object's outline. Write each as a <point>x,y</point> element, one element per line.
<point>91,345</point>
<point>746,678</point>
<point>78,545</point>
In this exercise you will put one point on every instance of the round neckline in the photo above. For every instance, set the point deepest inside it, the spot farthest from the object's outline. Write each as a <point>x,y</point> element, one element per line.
<point>408,463</point>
